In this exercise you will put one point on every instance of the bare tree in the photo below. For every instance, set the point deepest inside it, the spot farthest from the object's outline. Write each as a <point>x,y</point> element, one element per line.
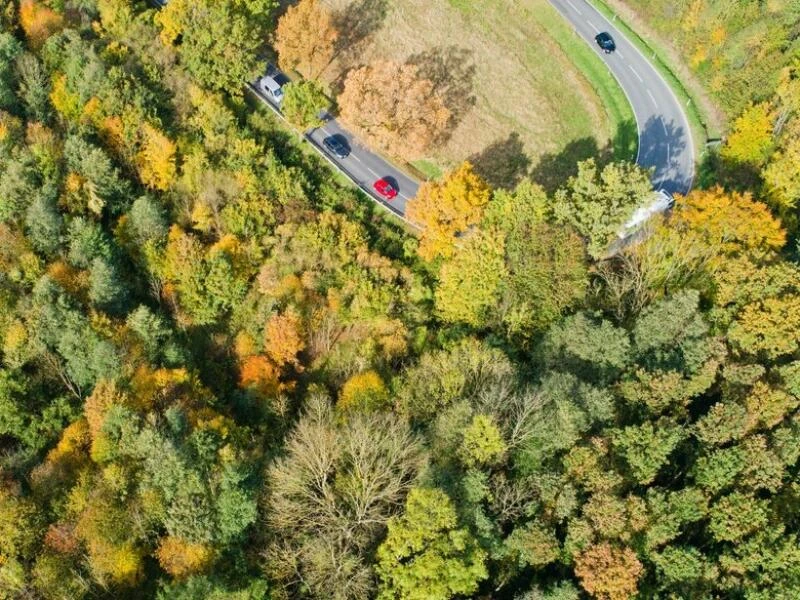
<point>339,481</point>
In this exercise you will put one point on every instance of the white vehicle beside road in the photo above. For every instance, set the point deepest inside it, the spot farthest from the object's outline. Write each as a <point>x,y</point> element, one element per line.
<point>660,202</point>
<point>271,88</point>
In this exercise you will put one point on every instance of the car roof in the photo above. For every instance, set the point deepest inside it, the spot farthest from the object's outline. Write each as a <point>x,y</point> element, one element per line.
<point>271,83</point>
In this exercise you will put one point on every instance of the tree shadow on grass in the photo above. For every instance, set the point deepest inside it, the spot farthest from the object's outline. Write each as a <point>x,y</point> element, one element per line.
<point>555,168</point>
<point>356,23</point>
<point>451,70</point>
<point>503,164</point>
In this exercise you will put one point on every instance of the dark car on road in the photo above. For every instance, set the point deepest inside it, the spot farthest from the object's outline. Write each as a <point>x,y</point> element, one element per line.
<point>386,188</point>
<point>606,42</point>
<point>337,145</point>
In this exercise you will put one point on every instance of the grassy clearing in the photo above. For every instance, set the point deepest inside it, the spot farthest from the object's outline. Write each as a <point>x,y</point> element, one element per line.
<point>429,169</point>
<point>704,126</point>
<point>620,113</point>
<point>527,97</point>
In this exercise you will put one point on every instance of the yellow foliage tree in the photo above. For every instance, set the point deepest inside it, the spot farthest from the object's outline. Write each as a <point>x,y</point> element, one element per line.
<point>470,283</point>
<point>306,38</point>
<point>38,22</point>
<point>782,175</point>
<point>731,223</point>
<point>156,159</point>
<point>769,328</point>
<point>447,208</point>
<point>394,108</point>
<point>609,573</point>
<point>363,392</point>
<point>750,142</point>
<point>180,558</point>
<point>67,104</point>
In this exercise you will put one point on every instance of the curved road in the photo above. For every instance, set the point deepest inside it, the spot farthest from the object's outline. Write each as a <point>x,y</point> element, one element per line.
<point>665,140</point>
<point>665,143</point>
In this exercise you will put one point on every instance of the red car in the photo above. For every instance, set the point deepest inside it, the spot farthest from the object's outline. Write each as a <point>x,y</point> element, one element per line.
<point>385,188</point>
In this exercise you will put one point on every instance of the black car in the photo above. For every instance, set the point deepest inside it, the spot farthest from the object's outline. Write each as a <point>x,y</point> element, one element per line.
<point>606,42</point>
<point>337,145</point>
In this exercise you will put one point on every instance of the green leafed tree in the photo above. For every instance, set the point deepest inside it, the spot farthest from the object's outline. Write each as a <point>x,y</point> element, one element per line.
<point>303,101</point>
<point>426,554</point>
<point>597,203</point>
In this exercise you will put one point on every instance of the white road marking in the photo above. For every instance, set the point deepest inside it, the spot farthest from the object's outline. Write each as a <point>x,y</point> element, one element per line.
<point>575,8</point>
<point>639,77</point>
<point>596,30</point>
<point>664,124</point>
<point>620,55</point>
<point>649,93</point>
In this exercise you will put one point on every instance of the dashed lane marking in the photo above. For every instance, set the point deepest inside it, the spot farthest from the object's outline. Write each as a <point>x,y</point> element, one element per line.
<point>620,55</point>
<point>575,8</point>
<point>649,93</point>
<point>596,30</point>
<point>664,125</point>
<point>639,77</point>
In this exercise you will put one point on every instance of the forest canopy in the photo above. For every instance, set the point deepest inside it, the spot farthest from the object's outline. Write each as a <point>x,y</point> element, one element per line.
<point>224,374</point>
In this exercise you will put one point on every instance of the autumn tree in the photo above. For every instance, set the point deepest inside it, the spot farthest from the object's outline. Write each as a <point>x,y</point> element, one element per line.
<point>609,573</point>
<point>38,21</point>
<point>156,159</point>
<point>395,109</point>
<point>470,282</point>
<point>730,222</point>
<point>363,392</point>
<point>180,558</point>
<point>303,101</point>
<point>448,208</point>
<point>283,338</point>
<point>782,175</point>
<point>306,38</point>
<point>597,203</point>
<point>750,142</point>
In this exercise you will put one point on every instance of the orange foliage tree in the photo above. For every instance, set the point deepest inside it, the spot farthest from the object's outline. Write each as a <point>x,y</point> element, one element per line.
<point>394,108</point>
<point>447,208</point>
<point>38,22</point>
<point>306,38</point>
<point>283,338</point>
<point>607,572</point>
<point>260,374</point>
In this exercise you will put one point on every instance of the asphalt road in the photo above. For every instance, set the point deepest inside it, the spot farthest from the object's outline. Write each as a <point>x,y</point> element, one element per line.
<point>362,165</point>
<point>365,167</point>
<point>665,143</point>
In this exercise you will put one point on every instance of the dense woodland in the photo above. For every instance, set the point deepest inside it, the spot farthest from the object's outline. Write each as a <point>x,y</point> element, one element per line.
<point>225,375</point>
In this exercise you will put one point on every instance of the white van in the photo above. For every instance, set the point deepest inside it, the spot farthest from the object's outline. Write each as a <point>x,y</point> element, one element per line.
<point>271,88</point>
<point>660,202</point>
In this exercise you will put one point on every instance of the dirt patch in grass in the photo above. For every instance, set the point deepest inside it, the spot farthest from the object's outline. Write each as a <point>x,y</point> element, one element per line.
<point>520,102</point>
